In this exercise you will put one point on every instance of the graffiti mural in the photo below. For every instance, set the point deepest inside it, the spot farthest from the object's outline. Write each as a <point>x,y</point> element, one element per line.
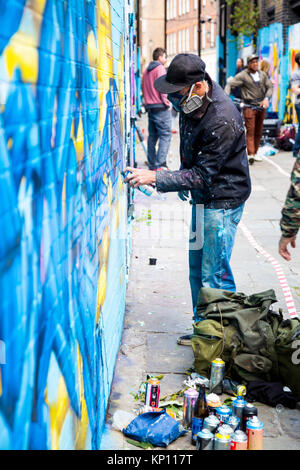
<point>63,211</point>
<point>293,47</point>
<point>270,40</point>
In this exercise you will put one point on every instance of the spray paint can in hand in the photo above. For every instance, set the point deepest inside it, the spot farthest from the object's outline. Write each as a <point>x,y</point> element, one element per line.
<point>216,376</point>
<point>146,189</point>
<point>255,430</point>
<point>190,397</point>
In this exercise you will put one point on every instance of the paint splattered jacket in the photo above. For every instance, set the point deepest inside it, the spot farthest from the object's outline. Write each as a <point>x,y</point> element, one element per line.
<point>290,221</point>
<point>214,165</point>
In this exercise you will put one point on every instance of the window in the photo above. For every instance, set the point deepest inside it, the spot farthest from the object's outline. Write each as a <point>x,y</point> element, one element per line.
<point>271,14</point>
<point>180,8</point>
<point>203,45</point>
<point>212,34</point>
<point>187,39</point>
<point>187,6</point>
<point>195,38</point>
<point>195,4</point>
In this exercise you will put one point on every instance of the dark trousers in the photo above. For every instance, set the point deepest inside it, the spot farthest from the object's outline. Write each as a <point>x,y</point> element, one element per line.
<point>160,130</point>
<point>296,147</point>
<point>254,122</point>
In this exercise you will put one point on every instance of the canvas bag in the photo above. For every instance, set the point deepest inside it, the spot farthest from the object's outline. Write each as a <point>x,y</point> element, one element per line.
<point>242,330</point>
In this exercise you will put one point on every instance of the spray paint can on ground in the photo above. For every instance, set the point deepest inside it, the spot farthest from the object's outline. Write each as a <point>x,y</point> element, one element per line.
<point>222,442</point>
<point>213,402</point>
<point>238,406</point>
<point>249,411</point>
<point>190,397</point>
<point>239,441</point>
<point>205,440</point>
<point>211,423</point>
<point>233,422</point>
<point>225,429</point>
<point>223,413</point>
<point>152,393</point>
<point>255,430</point>
<point>234,388</point>
<point>216,376</point>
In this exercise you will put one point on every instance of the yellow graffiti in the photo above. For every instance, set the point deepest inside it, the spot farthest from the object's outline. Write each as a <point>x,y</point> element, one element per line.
<point>58,412</point>
<point>105,69</point>
<point>17,55</point>
<point>121,84</point>
<point>81,425</point>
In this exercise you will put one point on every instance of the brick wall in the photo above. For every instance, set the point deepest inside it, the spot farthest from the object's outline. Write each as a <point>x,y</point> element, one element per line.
<point>64,141</point>
<point>151,28</point>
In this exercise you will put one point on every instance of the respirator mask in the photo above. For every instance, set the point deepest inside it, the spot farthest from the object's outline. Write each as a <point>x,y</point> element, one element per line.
<point>188,103</point>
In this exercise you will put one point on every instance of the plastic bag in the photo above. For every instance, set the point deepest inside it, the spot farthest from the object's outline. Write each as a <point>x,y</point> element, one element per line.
<point>121,419</point>
<point>156,427</point>
<point>267,150</point>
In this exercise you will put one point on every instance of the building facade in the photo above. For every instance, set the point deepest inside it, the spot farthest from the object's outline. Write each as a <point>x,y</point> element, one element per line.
<point>191,28</point>
<point>151,28</point>
<point>276,40</point>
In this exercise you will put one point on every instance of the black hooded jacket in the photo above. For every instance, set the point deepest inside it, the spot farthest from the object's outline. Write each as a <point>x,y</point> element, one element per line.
<point>214,164</point>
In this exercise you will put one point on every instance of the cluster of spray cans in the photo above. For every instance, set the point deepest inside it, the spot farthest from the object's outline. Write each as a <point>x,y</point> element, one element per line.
<point>236,428</point>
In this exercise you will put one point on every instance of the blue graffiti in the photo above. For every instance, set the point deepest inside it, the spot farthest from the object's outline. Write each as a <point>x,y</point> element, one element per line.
<point>48,255</point>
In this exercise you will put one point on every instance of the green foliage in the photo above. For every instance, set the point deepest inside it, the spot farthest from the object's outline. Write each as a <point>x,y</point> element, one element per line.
<point>244,17</point>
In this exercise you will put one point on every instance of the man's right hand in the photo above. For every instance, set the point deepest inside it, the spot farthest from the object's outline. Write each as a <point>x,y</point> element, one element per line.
<point>183,195</point>
<point>283,247</point>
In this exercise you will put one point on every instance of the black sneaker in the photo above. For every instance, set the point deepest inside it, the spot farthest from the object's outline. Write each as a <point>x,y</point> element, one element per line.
<point>185,340</point>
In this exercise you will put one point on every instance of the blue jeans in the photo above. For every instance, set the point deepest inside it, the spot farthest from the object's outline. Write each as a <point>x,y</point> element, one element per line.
<point>211,243</point>
<point>160,129</point>
<point>296,146</point>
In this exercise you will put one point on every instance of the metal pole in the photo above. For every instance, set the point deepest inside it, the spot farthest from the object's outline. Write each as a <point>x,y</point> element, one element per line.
<point>199,28</point>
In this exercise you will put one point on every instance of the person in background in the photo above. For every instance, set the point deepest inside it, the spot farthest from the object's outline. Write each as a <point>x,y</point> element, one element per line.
<point>264,66</point>
<point>295,82</point>
<point>290,220</point>
<point>159,114</point>
<point>256,89</point>
<point>236,92</point>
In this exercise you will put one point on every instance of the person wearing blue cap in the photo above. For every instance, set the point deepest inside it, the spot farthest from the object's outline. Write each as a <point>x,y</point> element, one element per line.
<point>214,171</point>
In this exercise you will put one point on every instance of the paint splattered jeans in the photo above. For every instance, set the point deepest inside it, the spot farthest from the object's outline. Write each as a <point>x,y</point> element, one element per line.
<point>212,235</point>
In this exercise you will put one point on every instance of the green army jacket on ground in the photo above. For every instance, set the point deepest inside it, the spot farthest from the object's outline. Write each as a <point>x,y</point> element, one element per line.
<point>290,221</point>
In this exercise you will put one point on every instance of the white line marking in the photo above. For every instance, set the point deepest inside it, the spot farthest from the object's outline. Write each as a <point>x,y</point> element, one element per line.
<point>281,277</point>
<point>285,173</point>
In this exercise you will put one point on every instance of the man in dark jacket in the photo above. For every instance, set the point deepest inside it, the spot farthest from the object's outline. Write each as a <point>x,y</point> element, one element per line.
<point>214,169</point>
<point>159,113</point>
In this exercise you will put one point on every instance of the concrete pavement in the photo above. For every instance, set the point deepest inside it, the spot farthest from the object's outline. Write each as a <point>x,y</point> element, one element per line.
<point>158,299</point>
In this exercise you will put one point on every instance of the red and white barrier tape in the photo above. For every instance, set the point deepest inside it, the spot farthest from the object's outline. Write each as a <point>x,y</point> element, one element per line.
<point>278,269</point>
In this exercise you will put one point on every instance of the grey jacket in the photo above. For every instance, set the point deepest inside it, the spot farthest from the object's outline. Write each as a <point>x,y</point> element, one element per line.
<point>251,92</point>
